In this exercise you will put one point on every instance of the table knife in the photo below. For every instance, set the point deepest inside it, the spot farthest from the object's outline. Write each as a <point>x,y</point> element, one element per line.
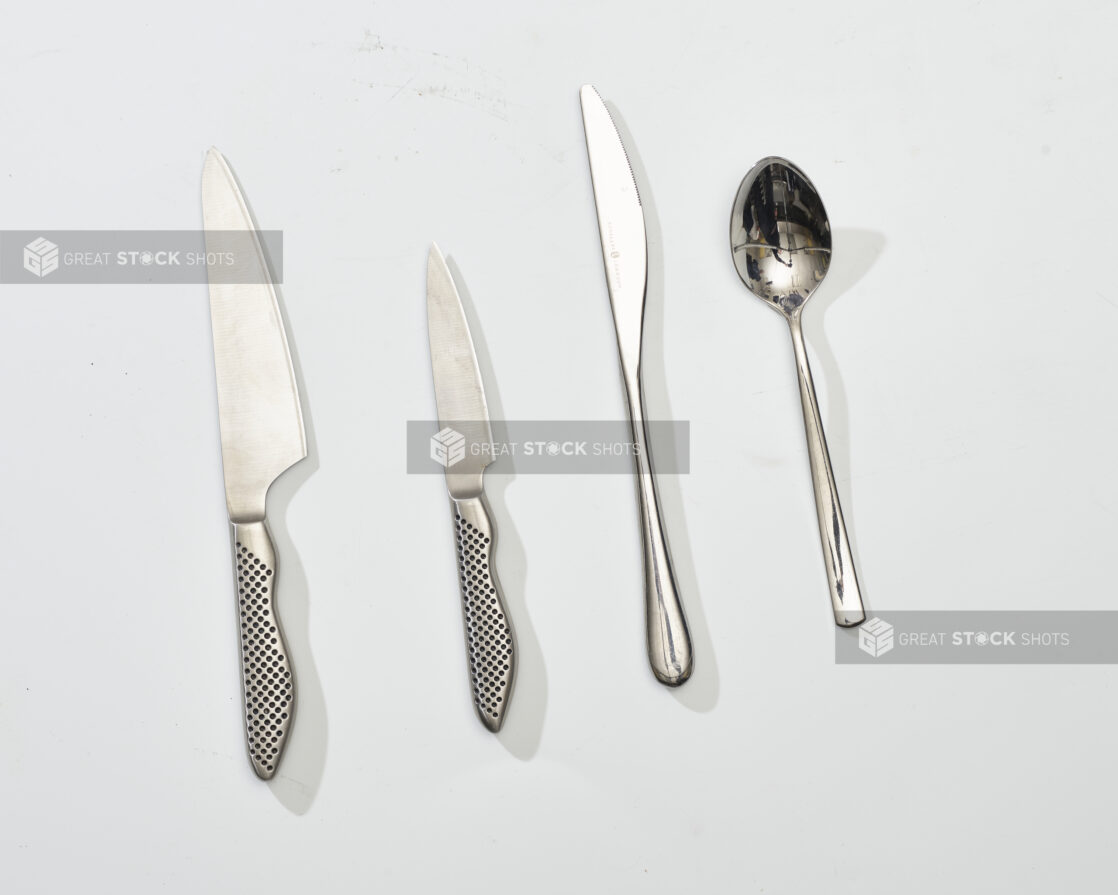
<point>625,254</point>
<point>262,435</point>
<point>464,421</point>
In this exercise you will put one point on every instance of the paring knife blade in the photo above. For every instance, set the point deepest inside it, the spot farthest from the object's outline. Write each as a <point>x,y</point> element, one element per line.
<point>262,435</point>
<point>464,419</point>
<point>625,255</point>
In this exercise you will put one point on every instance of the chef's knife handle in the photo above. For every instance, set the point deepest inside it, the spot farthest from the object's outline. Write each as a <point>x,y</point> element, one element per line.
<point>490,644</point>
<point>269,687</point>
<point>669,641</point>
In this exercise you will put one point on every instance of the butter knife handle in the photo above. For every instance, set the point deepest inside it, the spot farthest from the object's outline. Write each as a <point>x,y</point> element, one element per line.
<point>669,641</point>
<point>490,644</point>
<point>269,687</point>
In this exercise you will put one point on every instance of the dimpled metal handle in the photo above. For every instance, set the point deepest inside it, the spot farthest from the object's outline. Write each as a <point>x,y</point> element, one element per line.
<point>490,645</point>
<point>269,688</point>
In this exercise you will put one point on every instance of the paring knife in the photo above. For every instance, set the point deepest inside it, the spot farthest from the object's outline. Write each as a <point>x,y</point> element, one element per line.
<point>261,436</point>
<point>460,398</point>
<point>625,253</point>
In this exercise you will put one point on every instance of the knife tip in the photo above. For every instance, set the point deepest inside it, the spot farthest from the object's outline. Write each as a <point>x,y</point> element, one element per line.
<point>215,166</point>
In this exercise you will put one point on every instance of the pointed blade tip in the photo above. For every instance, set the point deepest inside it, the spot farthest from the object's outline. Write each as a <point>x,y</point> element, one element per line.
<point>217,176</point>
<point>437,266</point>
<point>215,159</point>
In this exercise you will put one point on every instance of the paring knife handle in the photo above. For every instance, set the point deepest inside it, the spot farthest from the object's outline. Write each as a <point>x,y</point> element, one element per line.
<point>269,687</point>
<point>669,641</point>
<point>846,597</point>
<point>490,644</point>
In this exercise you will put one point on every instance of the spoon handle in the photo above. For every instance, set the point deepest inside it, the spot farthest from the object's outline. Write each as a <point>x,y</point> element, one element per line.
<point>845,594</point>
<point>669,641</point>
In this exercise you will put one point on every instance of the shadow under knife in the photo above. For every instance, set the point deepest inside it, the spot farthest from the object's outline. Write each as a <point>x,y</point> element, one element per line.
<point>523,727</point>
<point>303,762</point>
<point>700,692</point>
<point>299,776</point>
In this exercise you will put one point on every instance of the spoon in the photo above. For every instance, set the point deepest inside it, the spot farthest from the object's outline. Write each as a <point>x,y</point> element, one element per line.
<point>781,242</point>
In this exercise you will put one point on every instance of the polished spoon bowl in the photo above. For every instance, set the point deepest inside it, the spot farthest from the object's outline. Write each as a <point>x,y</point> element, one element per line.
<point>780,239</point>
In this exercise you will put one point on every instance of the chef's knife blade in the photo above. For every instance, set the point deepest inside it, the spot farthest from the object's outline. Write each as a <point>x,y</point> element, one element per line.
<point>258,400</point>
<point>464,424</point>
<point>262,434</point>
<point>625,255</point>
<point>459,394</point>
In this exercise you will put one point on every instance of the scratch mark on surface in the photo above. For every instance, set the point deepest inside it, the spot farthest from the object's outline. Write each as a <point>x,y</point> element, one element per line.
<point>488,101</point>
<point>371,42</point>
<point>403,87</point>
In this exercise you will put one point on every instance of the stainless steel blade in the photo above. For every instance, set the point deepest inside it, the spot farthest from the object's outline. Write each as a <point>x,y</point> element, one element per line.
<point>258,400</point>
<point>459,395</point>
<point>620,224</point>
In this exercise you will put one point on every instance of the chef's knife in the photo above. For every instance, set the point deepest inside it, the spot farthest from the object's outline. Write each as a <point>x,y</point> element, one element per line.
<point>464,421</point>
<point>261,436</point>
<point>624,251</point>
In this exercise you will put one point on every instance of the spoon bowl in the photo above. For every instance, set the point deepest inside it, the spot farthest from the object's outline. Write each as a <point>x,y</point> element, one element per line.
<point>780,239</point>
<point>780,235</point>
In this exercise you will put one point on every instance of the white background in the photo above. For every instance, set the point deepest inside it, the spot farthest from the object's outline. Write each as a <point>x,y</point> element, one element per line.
<point>962,346</point>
